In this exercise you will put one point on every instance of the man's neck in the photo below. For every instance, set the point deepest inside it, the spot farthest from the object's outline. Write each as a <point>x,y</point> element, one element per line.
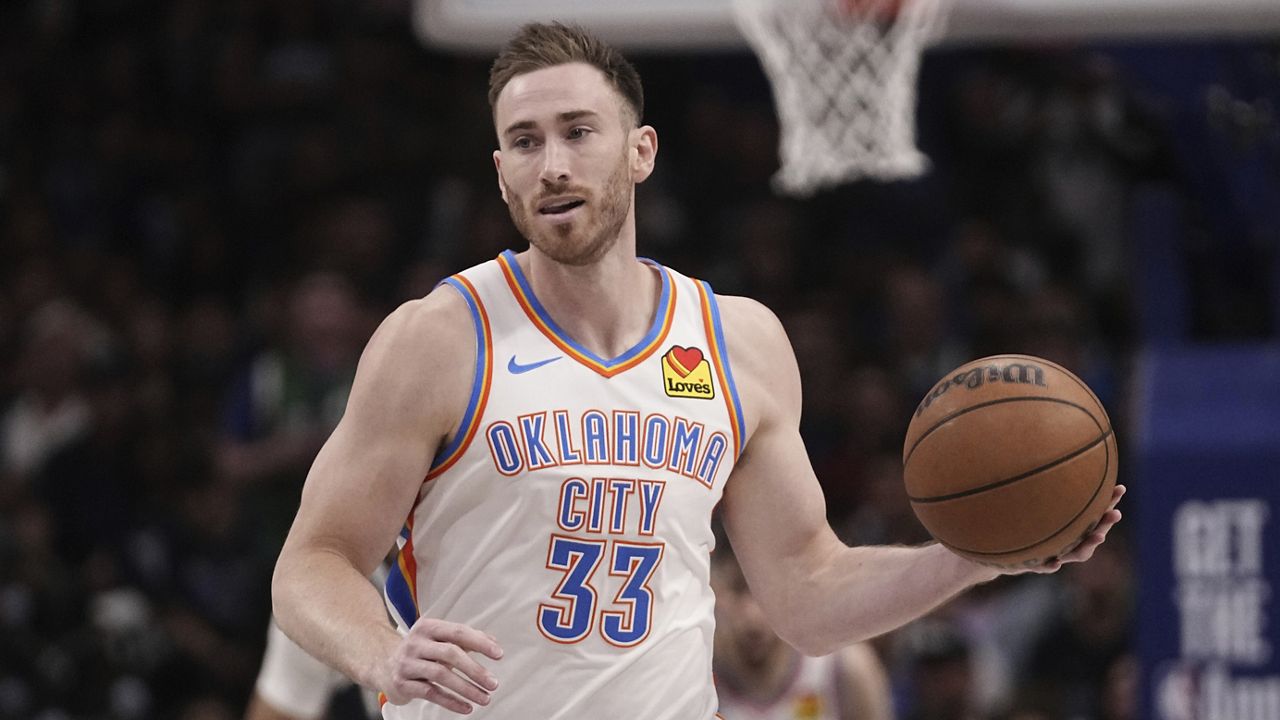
<point>606,306</point>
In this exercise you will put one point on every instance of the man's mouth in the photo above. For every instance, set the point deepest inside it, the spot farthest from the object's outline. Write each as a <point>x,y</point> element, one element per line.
<point>560,207</point>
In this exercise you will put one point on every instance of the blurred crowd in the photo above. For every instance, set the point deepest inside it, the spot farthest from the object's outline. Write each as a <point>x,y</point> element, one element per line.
<point>207,206</point>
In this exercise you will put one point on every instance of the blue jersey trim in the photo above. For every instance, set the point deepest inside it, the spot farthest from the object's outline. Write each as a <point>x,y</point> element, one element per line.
<point>654,330</point>
<point>718,328</point>
<point>400,596</point>
<point>477,383</point>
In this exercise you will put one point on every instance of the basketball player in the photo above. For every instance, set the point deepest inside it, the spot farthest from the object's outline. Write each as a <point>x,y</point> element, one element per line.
<point>760,677</point>
<point>291,685</point>
<point>548,433</point>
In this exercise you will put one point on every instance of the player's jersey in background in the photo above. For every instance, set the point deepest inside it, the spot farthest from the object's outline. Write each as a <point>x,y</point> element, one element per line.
<point>570,516</point>
<point>813,693</point>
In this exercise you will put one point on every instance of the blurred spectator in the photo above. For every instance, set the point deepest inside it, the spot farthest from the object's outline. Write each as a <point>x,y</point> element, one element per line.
<point>1121,689</point>
<point>1086,648</point>
<point>88,484</point>
<point>354,236</point>
<point>1056,326</point>
<point>194,561</point>
<point>985,277</point>
<point>881,514</point>
<point>50,409</point>
<point>288,398</point>
<point>821,357</point>
<point>761,677</point>
<point>919,343</point>
<point>936,673</point>
<point>865,457</point>
<point>1002,623</point>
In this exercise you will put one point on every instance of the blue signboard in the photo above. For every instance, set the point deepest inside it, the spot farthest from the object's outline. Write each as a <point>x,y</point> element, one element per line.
<point>1207,492</point>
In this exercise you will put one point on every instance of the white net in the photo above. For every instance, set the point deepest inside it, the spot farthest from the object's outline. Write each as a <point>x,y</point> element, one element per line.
<point>844,79</point>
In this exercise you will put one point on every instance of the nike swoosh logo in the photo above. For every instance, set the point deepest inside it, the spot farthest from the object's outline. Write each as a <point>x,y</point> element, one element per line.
<point>516,368</point>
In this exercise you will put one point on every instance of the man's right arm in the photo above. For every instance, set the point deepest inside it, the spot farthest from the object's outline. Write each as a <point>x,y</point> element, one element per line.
<point>410,387</point>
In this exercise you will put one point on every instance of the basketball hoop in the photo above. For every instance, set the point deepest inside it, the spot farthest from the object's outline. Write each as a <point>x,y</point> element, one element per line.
<point>843,74</point>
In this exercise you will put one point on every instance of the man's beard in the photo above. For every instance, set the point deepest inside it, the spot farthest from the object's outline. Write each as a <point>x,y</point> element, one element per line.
<point>584,240</point>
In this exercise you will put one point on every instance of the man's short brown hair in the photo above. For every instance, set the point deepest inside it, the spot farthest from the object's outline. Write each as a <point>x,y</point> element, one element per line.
<point>538,45</point>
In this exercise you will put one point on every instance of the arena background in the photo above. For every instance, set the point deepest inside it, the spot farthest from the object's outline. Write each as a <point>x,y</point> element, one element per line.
<point>206,207</point>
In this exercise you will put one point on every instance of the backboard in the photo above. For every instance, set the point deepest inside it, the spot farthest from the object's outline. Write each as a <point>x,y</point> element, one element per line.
<point>483,25</point>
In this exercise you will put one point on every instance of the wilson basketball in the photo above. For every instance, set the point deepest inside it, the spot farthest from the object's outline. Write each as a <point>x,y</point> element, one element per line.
<point>1010,460</point>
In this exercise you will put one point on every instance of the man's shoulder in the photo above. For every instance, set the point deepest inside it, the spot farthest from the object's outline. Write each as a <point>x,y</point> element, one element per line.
<point>435,326</point>
<point>748,321</point>
<point>413,367</point>
<point>443,310</point>
<point>764,365</point>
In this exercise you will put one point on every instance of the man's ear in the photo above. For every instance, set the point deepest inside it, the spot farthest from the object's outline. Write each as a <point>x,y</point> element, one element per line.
<point>643,152</point>
<point>497,166</point>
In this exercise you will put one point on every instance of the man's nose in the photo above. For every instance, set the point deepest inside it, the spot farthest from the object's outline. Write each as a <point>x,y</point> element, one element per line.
<point>555,164</point>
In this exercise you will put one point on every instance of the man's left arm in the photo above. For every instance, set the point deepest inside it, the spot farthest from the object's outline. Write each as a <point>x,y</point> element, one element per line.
<point>818,593</point>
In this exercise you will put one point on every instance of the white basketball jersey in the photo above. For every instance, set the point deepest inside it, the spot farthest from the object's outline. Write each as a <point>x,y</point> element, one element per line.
<point>570,516</point>
<point>813,693</point>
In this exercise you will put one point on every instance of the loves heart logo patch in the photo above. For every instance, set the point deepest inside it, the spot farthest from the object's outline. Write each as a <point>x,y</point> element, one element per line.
<point>684,360</point>
<point>686,373</point>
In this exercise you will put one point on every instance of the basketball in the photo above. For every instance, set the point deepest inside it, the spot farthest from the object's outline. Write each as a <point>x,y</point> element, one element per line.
<point>1009,460</point>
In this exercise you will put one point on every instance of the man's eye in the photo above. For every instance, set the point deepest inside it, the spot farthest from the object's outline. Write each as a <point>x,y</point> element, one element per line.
<point>577,133</point>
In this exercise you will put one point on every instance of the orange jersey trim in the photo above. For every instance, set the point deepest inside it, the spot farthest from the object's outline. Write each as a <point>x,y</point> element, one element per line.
<point>656,336</point>
<point>483,382</point>
<point>720,360</point>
